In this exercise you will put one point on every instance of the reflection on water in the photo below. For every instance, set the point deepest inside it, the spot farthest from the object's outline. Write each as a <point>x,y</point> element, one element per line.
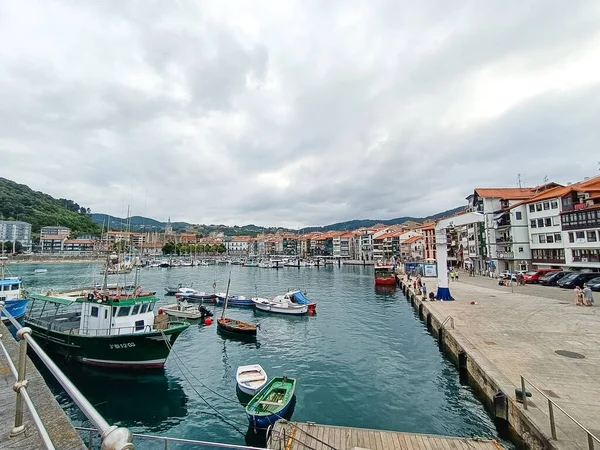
<point>151,400</point>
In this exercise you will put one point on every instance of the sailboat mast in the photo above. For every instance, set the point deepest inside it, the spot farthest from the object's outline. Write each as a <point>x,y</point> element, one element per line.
<point>226,297</point>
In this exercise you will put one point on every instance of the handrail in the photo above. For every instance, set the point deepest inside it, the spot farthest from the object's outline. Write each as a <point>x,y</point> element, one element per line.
<point>113,437</point>
<point>167,439</point>
<point>551,403</point>
<point>23,391</point>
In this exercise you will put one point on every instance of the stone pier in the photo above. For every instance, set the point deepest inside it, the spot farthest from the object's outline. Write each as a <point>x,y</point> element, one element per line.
<point>498,333</point>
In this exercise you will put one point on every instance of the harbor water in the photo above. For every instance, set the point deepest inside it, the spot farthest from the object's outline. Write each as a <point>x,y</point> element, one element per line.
<point>364,360</point>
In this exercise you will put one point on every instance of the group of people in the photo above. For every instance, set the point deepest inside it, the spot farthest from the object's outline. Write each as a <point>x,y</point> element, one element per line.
<point>584,297</point>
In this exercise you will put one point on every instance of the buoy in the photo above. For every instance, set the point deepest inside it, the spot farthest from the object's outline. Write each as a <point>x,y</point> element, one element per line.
<point>160,311</point>
<point>473,303</point>
<point>207,321</point>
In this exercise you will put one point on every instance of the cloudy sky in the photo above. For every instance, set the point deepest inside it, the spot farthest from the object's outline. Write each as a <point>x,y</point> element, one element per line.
<point>295,113</point>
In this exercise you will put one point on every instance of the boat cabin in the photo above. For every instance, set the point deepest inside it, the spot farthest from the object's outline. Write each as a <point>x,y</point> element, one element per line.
<point>10,288</point>
<point>88,315</point>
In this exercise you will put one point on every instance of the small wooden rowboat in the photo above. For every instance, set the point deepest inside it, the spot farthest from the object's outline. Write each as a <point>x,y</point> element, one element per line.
<point>236,327</point>
<point>271,402</point>
<point>250,379</point>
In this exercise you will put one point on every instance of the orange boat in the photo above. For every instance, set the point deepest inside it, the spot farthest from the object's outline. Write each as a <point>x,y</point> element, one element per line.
<point>385,275</point>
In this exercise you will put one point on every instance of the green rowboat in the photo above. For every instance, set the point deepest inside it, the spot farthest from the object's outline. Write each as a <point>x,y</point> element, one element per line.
<point>271,402</point>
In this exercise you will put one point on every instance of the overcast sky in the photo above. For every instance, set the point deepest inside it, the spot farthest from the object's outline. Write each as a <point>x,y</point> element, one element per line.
<point>295,113</point>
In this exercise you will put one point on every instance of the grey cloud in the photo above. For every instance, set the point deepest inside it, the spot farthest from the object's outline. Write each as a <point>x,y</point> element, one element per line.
<point>291,114</point>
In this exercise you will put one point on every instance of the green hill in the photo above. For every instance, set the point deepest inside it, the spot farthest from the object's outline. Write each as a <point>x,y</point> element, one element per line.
<point>19,202</point>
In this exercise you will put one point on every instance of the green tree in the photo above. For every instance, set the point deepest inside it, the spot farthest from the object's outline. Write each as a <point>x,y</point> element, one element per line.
<point>8,247</point>
<point>168,248</point>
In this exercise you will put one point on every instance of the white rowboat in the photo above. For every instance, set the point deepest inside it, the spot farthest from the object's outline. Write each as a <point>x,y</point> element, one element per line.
<point>250,379</point>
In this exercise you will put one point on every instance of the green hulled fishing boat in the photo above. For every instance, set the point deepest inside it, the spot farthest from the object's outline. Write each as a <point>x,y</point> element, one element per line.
<point>101,328</point>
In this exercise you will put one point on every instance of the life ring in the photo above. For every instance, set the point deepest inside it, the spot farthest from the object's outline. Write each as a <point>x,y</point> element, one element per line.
<point>214,285</point>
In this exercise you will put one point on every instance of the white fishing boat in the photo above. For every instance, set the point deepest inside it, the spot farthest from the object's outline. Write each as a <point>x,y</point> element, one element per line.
<point>183,310</point>
<point>40,270</point>
<point>293,302</point>
<point>251,379</point>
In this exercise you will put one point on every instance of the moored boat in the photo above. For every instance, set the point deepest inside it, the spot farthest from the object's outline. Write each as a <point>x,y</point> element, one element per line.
<point>251,378</point>
<point>234,327</point>
<point>40,270</point>
<point>234,300</point>
<point>385,275</point>
<point>12,293</point>
<point>198,297</point>
<point>271,402</point>
<point>183,310</point>
<point>96,329</point>
<point>293,303</point>
<point>172,290</point>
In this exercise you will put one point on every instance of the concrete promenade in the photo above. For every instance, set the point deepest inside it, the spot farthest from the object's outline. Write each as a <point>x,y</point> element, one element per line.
<point>58,426</point>
<point>512,333</point>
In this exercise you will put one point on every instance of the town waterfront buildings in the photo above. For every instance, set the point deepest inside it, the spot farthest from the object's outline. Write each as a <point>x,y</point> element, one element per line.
<point>16,231</point>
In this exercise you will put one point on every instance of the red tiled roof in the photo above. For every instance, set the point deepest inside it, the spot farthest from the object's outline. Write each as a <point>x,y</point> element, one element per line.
<point>410,240</point>
<point>506,193</point>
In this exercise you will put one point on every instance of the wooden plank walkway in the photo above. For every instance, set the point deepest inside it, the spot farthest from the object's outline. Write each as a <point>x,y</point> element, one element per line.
<point>61,432</point>
<point>302,436</point>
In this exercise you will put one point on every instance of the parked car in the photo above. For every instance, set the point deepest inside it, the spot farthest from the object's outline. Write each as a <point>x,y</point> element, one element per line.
<point>594,284</point>
<point>550,279</point>
<point>534,276</point>
<point>576,279</point>
<point>508,275</point>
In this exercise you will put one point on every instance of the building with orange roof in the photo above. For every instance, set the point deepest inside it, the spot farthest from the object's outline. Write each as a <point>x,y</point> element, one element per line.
<point>428,231</point>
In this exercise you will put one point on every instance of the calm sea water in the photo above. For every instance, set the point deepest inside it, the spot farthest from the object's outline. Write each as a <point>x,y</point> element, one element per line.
<point>364,360</point>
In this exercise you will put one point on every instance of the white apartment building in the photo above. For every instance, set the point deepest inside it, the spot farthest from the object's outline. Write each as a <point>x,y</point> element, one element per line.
<point>55,231</point>
<point>237,245</point>
<point>16,231</point>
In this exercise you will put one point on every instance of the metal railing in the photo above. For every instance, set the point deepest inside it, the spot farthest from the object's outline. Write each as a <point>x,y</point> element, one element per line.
<point>92,432</point>
<point>112,437</point>
<point>551,405</point>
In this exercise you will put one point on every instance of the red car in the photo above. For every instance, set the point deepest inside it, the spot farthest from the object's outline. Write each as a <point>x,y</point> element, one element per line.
<point>534,276</point>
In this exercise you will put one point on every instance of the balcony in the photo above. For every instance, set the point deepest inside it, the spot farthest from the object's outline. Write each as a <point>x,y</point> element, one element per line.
<point>506,255</point>
<point>548,261</point>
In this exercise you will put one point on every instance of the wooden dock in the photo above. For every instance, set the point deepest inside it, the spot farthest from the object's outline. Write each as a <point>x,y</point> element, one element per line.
<point>303,436</point>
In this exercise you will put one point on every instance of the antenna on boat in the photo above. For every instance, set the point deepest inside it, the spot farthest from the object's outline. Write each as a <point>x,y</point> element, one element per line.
<point>226,297</point>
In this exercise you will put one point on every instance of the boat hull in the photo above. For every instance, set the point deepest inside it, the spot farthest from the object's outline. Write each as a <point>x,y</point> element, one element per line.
<point>16,308</point>
<point>228,326</point>
<point>242,303</point>
<point>294,311</point>
<point>387,281</point>
<point>271,411</point>
<point>126,351</point>
<point>251,379</point>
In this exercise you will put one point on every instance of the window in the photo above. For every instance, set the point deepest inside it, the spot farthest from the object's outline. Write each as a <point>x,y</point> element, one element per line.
<point>532,223</point>
<point>139,325</point>
<point>542,238</point>
<point>114,311</point>
<point>546,205</point>
<point>538,206</point>
<point>14,287</point>
<point>556,220</point>
<point>554,204</point>
<point>550,238</point>
<point>591,236</point>
<point>519,215</point>
<point>531,208</point>
<point>144,308</point>
<point>579,236</point>
<point>571,238</point>
<point>150,306</point>
<point>520,249</point>
<point>94,311</point>
<point>136,309</point>
<point>124,311</point>
<point>557,237</point>
<point>548,221</point>
<point>105,313</point>
<point>566,201</point>
<point>540,223</point>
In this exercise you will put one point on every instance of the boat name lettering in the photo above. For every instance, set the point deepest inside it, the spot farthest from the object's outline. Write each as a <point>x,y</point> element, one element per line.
<point>124,345</point>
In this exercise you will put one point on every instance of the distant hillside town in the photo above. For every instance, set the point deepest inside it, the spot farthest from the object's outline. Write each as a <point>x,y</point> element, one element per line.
<point>524,228</point>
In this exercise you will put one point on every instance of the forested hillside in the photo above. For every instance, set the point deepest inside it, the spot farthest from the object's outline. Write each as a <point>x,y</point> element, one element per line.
<point>19,202</point>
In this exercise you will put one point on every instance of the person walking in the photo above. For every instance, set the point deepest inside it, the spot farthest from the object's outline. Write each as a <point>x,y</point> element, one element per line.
<point>588,296</point>
<point>578,296</point>
<point>424,289</point>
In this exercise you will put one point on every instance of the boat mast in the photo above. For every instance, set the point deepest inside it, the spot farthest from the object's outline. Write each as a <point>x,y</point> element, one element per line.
<point>226,297</point>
